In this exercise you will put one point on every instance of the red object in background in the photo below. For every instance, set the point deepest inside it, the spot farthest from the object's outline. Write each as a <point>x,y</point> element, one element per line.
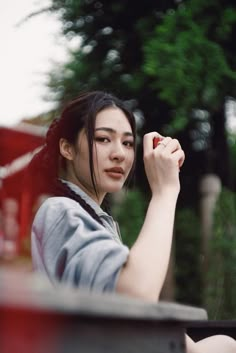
<point>16,147</point>
<point>17,141</point>
<point>156,140</point>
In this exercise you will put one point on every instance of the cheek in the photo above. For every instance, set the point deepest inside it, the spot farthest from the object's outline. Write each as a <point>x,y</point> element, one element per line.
<point>97,156</point>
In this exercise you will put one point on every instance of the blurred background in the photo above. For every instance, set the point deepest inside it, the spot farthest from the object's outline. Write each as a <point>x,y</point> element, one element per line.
<point>174,62</point>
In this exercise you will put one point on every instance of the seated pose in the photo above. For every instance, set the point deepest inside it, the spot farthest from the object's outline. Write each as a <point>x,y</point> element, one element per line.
<point>89,152</point>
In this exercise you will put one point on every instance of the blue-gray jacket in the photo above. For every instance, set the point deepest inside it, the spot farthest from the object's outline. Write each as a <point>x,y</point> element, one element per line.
<point>70,246</point>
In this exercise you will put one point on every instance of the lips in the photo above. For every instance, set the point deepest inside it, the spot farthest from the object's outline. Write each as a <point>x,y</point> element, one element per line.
<point>117,170</point>
<point>116,173</point>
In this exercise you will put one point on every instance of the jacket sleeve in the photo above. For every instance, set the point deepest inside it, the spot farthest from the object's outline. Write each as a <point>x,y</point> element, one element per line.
<point>70,246</point>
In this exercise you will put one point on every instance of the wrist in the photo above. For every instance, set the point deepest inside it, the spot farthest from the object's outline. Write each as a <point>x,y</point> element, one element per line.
<point>170,193</point>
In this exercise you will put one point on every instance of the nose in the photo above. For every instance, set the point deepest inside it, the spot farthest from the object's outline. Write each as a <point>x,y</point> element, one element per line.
<point>118,152</point>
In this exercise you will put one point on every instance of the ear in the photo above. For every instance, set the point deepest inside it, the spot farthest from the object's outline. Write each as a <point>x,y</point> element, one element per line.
<point>66,149</point>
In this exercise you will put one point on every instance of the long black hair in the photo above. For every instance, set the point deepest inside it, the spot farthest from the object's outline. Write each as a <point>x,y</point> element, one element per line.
<point>78,114</point>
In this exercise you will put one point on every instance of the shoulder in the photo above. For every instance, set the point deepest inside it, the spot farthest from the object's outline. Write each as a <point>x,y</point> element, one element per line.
<point>55,207</point>
<point>55,210</point>
<point>59,204</point>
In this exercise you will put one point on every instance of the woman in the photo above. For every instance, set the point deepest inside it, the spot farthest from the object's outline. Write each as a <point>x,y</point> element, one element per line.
<point>89,152</point>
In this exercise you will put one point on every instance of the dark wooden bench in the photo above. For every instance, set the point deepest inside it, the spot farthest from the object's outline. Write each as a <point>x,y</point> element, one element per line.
<point>202,329</point>
<point>36,318</point>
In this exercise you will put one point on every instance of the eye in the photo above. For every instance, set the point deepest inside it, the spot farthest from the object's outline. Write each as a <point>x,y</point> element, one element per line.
<point>102,139</point>
<point>129,144</point>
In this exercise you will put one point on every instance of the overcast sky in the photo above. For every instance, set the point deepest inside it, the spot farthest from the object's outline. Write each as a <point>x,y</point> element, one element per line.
<point>27,53</point>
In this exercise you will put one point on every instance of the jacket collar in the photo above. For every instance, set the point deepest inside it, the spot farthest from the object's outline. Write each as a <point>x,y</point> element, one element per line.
<point>85,197</point>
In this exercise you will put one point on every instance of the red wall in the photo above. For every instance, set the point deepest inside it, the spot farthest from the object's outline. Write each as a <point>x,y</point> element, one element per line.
<point>14,144</point>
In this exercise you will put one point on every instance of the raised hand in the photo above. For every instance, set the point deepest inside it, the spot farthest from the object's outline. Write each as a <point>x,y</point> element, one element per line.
<point>163,157</point>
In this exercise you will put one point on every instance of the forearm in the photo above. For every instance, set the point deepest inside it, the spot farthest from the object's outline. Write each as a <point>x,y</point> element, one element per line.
<point>145,270</point>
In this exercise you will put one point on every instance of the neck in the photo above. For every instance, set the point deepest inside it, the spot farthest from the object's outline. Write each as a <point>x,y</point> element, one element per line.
<point>98,198</point>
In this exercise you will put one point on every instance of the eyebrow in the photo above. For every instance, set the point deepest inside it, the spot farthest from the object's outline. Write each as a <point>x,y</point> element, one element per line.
<point>108,129</point>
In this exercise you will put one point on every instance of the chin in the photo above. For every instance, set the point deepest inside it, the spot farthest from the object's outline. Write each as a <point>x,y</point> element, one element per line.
<point>113,188</point>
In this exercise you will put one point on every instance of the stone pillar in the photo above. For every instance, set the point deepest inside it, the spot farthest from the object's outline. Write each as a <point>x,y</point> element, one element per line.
<point>210,188</point>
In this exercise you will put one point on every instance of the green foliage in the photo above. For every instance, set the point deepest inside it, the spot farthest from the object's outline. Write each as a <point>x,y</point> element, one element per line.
<point>187,257</point>
<point>130,215</point>
<point>109,55</point>
<point>232,153</point>
<point>188,65</point>
<point>181,54</point>
<point>221,278</point>
<point>227,21</point>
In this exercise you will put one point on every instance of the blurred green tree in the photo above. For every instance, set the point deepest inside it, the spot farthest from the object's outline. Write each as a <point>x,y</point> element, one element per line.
<point>219,297</point>
<point>191,58</point>
<point>133,207</point>
<point>188,250</point>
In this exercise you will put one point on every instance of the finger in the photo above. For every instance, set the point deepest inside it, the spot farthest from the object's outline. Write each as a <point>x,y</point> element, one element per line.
<point>148,140</point>
<point>179,156</point>
<point>164,142</point>
<point>171,145</point>
<point>180,150</point>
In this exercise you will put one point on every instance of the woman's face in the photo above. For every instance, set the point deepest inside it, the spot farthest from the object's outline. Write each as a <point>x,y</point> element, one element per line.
<point>113,154</point>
